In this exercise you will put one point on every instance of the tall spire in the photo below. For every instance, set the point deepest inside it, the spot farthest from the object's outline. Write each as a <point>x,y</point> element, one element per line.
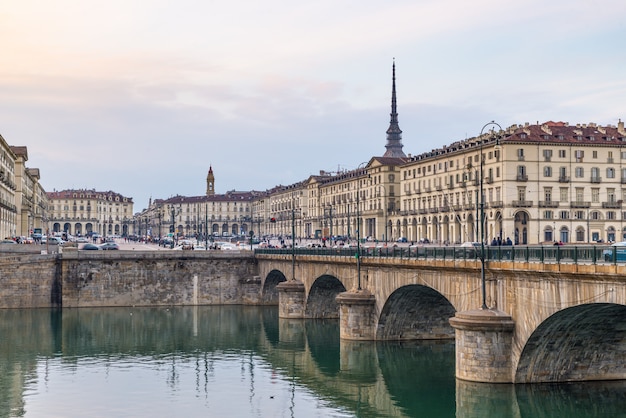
<point>394,134</point>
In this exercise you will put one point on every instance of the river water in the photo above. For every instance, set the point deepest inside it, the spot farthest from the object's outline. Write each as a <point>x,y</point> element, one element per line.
<point>236,361</point>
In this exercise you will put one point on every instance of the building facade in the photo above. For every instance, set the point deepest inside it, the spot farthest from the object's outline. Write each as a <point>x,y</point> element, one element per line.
<point>23,200</point>
<point>86,212</point>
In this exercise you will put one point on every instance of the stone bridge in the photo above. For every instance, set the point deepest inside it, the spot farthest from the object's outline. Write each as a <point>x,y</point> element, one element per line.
<point>544,322</point>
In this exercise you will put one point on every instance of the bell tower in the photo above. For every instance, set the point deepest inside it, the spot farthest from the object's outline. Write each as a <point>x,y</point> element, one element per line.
<point>210,182</point>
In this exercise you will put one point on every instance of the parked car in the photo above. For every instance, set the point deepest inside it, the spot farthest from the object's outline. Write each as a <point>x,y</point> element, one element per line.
<point>91,247</point>
<point>109,246</point>
<point>402,239</point>
<point>55,241</point>
<point>7,241</point>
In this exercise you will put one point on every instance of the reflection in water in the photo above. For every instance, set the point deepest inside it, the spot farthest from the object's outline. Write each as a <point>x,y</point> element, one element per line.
<point>245,361</point>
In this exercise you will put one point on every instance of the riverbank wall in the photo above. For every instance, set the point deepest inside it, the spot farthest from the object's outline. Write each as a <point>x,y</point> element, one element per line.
<point>119,278</point>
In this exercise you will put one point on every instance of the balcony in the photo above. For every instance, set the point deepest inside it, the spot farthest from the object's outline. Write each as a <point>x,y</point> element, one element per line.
<point>489,179</point>
<point>548,204</point>
<point>522,203</point>
<point>469,206</point>
<point>522,177</point>
<point>457,208</point>
<point>596,179</point>
<point>579,205</point>
<point>444,209</point>
<point>496,204</point>
<point>563,179</point>
<point>422,211</point>
<point>438,187</point>
<point>433,210</point>
<point>463,184</point>
<point>612,205</point>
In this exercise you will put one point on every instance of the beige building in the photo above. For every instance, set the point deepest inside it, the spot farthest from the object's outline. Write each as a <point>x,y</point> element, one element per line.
<point>8,207</point>
<point>541,183</point>
<point>214,215</point>
<point>85,211</point>
<point>23,200</point>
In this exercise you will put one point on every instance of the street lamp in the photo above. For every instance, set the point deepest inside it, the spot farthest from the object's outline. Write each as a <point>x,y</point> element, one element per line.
<point>174,211</point>
<point>482,217</point>
<point>358,227</point>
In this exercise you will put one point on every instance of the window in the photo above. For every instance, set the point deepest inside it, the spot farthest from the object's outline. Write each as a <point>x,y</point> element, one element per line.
<point>547,214</point>
<point>547,235</point>
<point>580,234</point>
<point>595,175</point>
<point>610,215</point>
<point>610,173</point>
<point>580,194</point>
<point>579,154</point>
<point>563,153</point>
<point>610,195</point>
<point>579,214</point>
<point>547,194</point>
<point>547,154</point>
<point>595,195</point>
<point>521,194</point>
<point>562,173</point>
<point>594,154</point>
<point>547,171</point>
<point>564,192</point>
<point>520,154</point>
<point>579,172</point>
<point>564,214</point>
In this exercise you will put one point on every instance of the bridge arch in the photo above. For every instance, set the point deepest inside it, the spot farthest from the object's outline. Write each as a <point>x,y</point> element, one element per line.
<point>415,312</point>
<point>269,293</point>
<point>321,301</point>
<point>581,343</point>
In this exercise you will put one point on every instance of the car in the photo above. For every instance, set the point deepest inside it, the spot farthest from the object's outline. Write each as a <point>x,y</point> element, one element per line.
<point>82,240</point>
<point>7,241</point>
<point>55,241</point>
<point>90,247</point>
<point>402,239</point>
<point>109,246</point>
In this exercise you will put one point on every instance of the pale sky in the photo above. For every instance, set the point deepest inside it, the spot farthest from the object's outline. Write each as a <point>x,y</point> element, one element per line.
<point>141,97</point>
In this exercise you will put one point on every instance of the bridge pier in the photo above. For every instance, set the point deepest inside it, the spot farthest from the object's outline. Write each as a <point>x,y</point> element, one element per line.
<point>357,315</point>
<point>291,299</point>
<point>484,342</point>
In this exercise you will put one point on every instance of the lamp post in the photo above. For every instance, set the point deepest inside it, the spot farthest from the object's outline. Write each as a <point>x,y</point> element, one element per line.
<point>385,209</point>
<point>358,227</point>
<point>482,218</point>
<point>174,212</point>
<point>293,243</point>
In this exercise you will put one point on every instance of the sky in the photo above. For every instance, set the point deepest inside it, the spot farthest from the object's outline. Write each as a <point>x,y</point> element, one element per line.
<point>142,97</point>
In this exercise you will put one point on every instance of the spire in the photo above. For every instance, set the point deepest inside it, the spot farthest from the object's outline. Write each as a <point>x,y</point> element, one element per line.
<point>394,134</point>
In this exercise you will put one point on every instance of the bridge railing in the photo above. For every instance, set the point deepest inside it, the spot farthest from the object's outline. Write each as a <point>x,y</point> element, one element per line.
<point>588,254</point>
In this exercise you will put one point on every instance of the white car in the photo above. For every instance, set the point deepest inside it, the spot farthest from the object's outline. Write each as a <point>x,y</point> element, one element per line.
<point>55,241</point>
